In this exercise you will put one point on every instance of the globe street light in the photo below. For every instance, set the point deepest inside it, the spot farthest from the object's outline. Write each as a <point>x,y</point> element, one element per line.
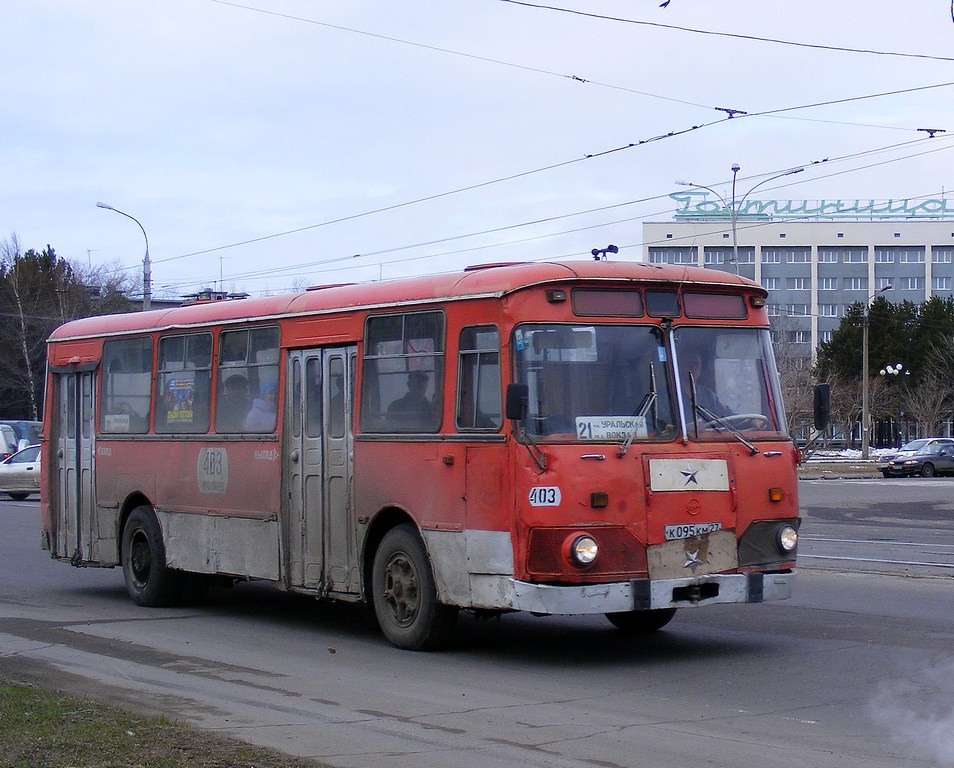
<point>146,264</point>
<point>896,370</point>
<point>734,206</point>
<point>865,437</point>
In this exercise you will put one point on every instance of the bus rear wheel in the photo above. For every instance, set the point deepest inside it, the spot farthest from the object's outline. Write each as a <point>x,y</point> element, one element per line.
<point>642,622</point>
<point>148,580</point>
<point>404,594</point>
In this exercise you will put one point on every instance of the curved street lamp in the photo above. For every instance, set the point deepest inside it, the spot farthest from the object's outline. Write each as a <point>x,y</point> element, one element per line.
<point>146,264</point>
<point>733,206</point>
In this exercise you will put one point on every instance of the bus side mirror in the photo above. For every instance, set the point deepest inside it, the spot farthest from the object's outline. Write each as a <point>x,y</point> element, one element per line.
<point>822,406</point>
<point>518,401</point>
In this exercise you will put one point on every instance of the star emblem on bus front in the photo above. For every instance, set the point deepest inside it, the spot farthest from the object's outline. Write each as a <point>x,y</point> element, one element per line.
<point>693,561</point>
<point>690,474</point>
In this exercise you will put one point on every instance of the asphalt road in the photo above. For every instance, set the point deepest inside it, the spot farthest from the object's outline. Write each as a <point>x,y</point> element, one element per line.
<point>855,670</point>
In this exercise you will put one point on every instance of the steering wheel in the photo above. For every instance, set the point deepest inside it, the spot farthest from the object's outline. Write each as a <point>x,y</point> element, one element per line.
<point>753,421</point>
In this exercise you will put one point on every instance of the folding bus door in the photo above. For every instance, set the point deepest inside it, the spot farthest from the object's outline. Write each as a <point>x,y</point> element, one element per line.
<point>320,529</point>
<point>72,451</point>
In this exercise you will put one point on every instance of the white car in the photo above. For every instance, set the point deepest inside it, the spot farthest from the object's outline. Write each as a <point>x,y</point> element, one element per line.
<point>20,473</point>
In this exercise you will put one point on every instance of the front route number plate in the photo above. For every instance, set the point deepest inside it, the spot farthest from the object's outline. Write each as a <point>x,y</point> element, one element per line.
<point>688,530</point>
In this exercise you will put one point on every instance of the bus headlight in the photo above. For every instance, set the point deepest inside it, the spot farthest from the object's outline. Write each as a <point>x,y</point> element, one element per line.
<point>583,550</point>
<point>787,538</point>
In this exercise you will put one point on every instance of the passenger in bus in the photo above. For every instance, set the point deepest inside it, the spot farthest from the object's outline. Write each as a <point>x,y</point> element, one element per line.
<point>415,401</point>
<point>234,405</point>
<point>262,416</point>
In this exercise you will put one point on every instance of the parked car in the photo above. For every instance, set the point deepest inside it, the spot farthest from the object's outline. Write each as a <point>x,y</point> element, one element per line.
<point>936,458</point>
<point>8,441</point>
<point>909,449</point>
<point>27,432</point>
<point>20,473</point>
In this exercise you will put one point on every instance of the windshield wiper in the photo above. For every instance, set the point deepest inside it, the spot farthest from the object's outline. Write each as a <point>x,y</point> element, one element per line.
<point>710,417</point>
<point>648,401</point>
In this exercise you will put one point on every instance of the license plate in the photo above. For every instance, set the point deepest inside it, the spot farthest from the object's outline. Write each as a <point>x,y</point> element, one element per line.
<point>688,530</point>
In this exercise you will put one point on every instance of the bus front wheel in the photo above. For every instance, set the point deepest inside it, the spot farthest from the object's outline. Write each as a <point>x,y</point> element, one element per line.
<point>642,622</point>
<point>148,580</point>
<point>405,596</point>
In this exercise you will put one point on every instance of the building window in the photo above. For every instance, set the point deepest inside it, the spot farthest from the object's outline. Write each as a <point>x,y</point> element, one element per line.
<point>772,310</point>
<point>676,255</point>
<point>855,256</point>
<point>824,337</point>
<point>940,283</point>
<point>797,310</point>
<point>910,283</point>
<point>828,255</point>
<point>884,256</point>
<point>717,256</point>
<point>747,255</point>
<point>798,337</point>
<point>828,310</point>
<point>856,283</point>
<point>884,283</point>
<point>911,256</point>
<point>798,283</point>
<point>828,284</point>
<point>771,256</point>
<point>798,255</point>
<point>770,283</point>
<point>942,255</point>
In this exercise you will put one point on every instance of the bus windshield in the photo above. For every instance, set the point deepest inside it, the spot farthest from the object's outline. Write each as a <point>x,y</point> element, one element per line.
<point>595,382</point>
<point>728,382</point>
<point>613,383</point>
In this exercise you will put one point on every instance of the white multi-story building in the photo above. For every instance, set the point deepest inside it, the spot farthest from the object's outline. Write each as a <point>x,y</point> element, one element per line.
<point>815,258</point>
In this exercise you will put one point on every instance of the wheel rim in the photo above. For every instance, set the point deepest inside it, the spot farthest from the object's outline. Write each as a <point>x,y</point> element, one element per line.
<point>140,558</point>
<point>401,593</point>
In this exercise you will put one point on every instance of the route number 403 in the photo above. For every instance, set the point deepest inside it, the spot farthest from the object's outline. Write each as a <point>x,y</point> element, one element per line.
<point>545,496</point>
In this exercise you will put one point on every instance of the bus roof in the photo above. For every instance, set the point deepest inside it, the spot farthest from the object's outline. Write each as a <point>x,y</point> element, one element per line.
<point>482,281</point>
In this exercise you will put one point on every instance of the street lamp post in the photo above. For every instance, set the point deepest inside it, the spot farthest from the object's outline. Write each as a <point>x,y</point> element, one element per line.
<point>146,264</point>
<point>865,436</point>
<point>896,370</point>
<point>734,206</point>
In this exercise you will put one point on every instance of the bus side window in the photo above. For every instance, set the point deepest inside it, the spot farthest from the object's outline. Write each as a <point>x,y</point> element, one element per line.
<point>247,381</point>
<point>403,377</point>
<point>478,380</point>
<point>126,396</point>
<point>184,381</point>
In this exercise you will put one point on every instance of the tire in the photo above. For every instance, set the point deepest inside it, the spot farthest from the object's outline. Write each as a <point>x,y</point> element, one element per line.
<point>404,594</point>
<point>641,622</point>
<point>927,470</point>
<point>148,580</point>
<point>886,475</point>
<point>17,495</point>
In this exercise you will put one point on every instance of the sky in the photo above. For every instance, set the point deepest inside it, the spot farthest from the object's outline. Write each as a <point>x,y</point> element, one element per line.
<point>270,145</point>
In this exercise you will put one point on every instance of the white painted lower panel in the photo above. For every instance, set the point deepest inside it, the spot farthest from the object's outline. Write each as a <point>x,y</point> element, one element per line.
<point>233,546</point>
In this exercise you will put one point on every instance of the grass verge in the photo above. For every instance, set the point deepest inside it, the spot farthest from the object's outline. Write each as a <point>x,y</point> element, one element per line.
<point>46,729</point>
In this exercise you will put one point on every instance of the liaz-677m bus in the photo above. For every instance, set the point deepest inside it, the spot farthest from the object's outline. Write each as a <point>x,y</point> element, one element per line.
<point>560,438</point>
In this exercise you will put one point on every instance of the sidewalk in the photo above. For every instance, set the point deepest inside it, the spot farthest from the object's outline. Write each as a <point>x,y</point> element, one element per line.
<point>827,469</point>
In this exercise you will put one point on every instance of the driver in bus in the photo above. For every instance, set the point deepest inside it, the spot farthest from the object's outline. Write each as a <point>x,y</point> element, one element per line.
<point>690,367</point>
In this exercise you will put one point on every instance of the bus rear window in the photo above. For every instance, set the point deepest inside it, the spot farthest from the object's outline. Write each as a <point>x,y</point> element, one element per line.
<point>607,303</point>
<point>722,306</point>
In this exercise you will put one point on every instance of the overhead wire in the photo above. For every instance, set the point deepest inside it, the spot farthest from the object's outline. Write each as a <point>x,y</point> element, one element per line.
<point>732,114</point>
<point>733,35</point>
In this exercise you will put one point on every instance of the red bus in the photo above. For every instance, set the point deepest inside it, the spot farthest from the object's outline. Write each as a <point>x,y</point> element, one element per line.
<point>560,438</point>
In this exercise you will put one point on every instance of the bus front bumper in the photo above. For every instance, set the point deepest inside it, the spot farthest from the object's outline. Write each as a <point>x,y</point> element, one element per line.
<point>639,595</point>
